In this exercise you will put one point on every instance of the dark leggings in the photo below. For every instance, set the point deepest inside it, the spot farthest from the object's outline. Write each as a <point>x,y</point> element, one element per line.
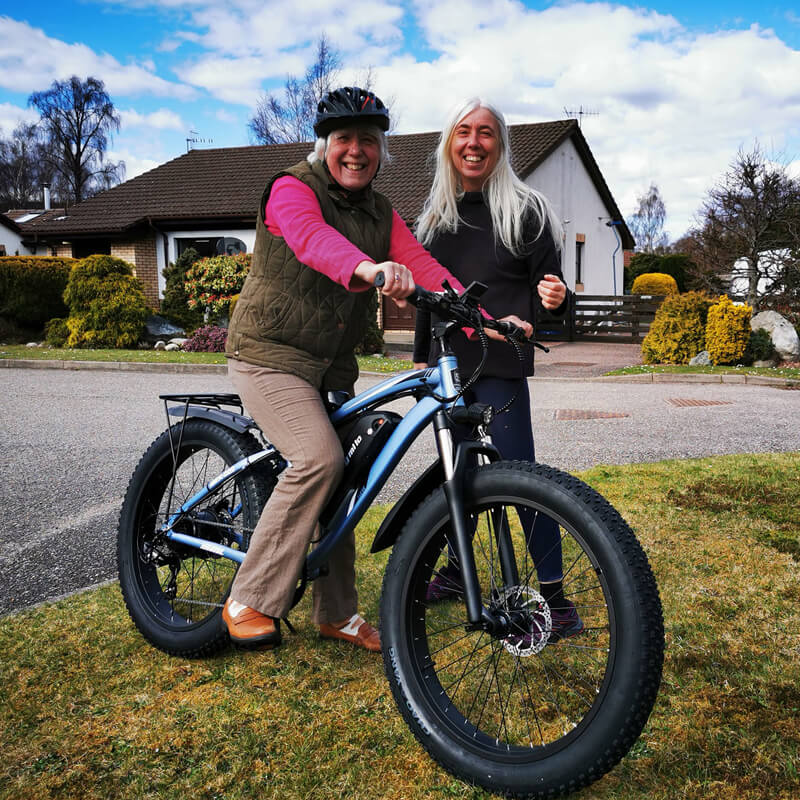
<point>512,434</point>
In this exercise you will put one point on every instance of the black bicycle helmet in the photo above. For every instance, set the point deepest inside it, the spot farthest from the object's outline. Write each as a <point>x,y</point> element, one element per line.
<point>349,104</point>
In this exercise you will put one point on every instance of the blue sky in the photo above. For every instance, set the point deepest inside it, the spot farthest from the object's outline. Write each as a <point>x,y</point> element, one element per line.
<point>677,87</point>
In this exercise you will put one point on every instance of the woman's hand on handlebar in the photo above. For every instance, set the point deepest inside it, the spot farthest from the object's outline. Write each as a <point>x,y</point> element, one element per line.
<point>524,325</point>
<point>398,281</point>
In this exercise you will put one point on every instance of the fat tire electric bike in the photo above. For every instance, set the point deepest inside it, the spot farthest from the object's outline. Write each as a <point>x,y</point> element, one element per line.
<point>482,678</point>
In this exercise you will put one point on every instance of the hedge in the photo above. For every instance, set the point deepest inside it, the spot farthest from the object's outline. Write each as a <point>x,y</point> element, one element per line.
<point>32,288</point>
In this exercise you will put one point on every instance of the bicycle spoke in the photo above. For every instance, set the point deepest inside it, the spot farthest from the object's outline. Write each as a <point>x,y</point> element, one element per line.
<point>531,686</point>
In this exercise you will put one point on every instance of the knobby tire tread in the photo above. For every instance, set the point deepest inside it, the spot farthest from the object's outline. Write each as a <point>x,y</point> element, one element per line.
<point>651,654</point>
<point>260,484</point>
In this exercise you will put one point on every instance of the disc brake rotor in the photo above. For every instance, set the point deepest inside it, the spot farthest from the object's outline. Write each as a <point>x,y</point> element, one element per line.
<point>533,621</point>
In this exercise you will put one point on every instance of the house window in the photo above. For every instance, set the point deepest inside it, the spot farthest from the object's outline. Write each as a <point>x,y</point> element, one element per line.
<point>212,246</point>
<point>580,241</point>
<point>230,246</point>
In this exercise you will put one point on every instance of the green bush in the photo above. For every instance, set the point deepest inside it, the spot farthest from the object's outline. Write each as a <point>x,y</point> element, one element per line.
<point>212,282</point>
<point>759,347</point>
<point>32,288</point>
<point>655,283</point>
<point>106,303</point>
<point>372,340</point>
<point>678,332</point>
<point>679,265</point>
<point>175,303</point>
<point>56,332</point>
<point>727,331</point>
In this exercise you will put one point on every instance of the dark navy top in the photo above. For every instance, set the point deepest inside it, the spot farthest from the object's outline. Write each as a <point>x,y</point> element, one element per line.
<point>473,254</point>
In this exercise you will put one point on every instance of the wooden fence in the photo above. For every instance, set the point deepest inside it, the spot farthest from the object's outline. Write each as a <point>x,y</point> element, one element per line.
<point>601,318</point>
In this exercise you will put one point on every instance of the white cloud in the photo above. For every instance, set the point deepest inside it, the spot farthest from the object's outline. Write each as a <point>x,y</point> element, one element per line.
<point>163,119</point>
<point>252,46</point>
<point>672,105</point>
<point>134,164</point>
<point>11,116</point>
<point>227,117</point>
<point>30,61</point>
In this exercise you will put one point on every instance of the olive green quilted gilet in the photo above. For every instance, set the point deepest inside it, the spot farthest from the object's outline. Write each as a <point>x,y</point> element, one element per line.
<point>292,318</point>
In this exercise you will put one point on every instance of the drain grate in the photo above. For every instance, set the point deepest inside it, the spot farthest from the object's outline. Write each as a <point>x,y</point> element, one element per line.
<point>570,364</point>
<point>691,402</point>
<point>579,413</point>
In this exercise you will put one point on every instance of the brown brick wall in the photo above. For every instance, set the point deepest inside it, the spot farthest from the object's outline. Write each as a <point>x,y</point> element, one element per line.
<point>147,268</point>
<point>141,254</point>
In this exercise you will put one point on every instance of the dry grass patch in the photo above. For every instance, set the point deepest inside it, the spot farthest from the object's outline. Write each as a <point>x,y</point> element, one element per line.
<point>88,709</point>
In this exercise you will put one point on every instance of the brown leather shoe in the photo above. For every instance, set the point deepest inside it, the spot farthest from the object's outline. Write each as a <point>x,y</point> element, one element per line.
<point>356,631</point>
<point>250,628</point>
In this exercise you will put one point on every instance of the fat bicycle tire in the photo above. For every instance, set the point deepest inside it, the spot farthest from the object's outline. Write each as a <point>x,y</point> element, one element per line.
<point>175,593</point>
<point>540,716</point>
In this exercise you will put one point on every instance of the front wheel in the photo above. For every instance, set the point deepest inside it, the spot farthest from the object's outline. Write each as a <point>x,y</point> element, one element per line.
<point>175,593</point>
<point>543,707</point>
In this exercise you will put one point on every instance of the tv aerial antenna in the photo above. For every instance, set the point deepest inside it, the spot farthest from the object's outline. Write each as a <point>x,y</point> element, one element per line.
<point>580,113</point>
<point>192,139</point>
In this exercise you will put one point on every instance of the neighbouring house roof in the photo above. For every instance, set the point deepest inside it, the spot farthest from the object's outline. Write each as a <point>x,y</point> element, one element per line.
<point>226,184</point>
<point>7,221</point>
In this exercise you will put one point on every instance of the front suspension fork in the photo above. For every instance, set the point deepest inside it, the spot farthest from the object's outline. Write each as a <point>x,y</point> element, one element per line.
<point>456,462</point>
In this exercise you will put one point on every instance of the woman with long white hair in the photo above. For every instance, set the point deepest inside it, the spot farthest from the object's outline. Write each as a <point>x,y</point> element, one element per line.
<point>484,224</point>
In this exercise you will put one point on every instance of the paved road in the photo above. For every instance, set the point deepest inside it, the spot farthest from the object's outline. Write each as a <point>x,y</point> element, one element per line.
<point>70,440</point>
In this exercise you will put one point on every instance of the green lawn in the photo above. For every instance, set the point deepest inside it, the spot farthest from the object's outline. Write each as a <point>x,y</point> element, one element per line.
<point>89,710</point>
<point>21,351</point>
<point>684,369</point>
<point>366,363</point>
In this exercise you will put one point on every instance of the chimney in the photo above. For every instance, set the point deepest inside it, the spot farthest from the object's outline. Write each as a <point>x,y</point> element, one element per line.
<point>46,189</point>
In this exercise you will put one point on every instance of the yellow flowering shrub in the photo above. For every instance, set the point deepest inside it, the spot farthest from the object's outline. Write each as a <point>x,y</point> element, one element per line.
<point>727,331</point>
<point>657,283</point>
<point>678,331</point>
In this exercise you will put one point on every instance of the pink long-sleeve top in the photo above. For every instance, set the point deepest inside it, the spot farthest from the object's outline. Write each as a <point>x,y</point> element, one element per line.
<point>293,212</point>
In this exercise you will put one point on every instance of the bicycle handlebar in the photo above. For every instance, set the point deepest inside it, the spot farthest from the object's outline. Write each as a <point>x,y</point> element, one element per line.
<point>463,308</point>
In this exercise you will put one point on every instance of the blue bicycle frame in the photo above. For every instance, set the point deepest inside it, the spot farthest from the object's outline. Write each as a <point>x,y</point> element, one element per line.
<point>437,391</point>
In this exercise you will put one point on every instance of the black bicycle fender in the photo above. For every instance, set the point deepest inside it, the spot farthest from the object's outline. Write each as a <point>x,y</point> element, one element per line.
<point>230,419</point>
<point>393,522</point>
<point>429,481</point>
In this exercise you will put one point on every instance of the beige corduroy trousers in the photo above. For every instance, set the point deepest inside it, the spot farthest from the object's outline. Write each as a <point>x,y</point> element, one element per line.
<point>290,412</point>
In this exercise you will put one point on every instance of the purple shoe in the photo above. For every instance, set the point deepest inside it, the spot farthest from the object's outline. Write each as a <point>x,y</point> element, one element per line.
<point>446,585</point>
<point>545,626</point>
<point>531,640</point>
<point>566,622</point>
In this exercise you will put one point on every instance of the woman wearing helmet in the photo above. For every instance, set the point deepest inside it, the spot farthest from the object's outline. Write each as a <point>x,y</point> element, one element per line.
<point>485,224</point>
<point>323,234</point>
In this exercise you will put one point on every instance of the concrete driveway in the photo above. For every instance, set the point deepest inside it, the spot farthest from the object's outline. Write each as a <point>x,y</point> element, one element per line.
<point>70,440</point>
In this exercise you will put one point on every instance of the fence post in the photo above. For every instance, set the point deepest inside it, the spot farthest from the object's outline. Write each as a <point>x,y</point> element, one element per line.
<point>571,311</point>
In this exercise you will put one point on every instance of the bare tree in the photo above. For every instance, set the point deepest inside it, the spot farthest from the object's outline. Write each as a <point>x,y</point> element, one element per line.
<point>78,119</point>
<point>24,167</point>
<point>750,227</point>
<point>292,120</point>
<point>647,223</point>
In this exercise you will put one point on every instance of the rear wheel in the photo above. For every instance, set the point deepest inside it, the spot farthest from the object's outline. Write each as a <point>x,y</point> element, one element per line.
<point>174,592</point>
<point>524,711</point>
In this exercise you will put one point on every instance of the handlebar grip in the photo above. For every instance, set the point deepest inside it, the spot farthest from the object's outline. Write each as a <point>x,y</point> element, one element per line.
<point>413,298</point>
